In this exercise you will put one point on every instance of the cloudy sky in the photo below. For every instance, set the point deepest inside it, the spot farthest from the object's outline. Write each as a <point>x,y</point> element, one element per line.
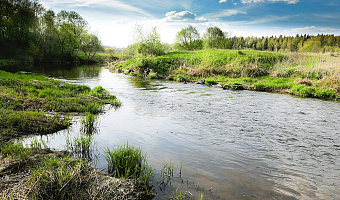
<point>114,20</point>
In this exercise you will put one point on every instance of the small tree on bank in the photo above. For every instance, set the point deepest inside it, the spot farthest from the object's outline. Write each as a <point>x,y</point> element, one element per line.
<point>147,42</point>
<point>214,37</point>
<point>188,39</point>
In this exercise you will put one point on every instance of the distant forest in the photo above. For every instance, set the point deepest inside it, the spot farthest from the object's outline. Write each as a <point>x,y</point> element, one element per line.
<point>303,43</point>
<point>28,29</point>
<point>189,39</point>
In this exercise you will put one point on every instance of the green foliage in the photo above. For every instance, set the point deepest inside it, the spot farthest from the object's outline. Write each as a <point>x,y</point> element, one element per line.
<point>30,30</point>
<point>303,43</point>
<point>17,150</point>
<point>146,42</point>
<point>214,37</point>
<point>188,39</point>
<point>270,84</point>
<point>143,63</point>
<point>129,162</point>
<point>90,44</point>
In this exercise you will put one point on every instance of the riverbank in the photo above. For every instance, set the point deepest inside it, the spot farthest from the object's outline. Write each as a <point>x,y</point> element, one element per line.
<point>32,104</point>
<point>81,58</point>
<point>36,172</point>
<point>305,75</point>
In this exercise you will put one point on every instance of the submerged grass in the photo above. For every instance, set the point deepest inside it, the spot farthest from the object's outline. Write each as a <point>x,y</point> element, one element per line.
<point>89,123</point>
<point>81,147</point>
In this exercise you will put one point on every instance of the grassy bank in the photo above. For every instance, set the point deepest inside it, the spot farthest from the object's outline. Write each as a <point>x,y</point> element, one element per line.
<point>35,172</point>
<point>32,104</point>
<point>306,75</point>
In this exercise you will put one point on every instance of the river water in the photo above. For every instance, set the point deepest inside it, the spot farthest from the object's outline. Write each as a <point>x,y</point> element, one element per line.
<point>232,144</point>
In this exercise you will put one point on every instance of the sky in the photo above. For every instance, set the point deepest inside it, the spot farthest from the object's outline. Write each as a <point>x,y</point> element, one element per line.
<point>114,20</point>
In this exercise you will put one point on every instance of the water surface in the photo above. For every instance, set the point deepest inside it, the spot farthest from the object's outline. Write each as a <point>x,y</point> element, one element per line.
<point>233,144</point>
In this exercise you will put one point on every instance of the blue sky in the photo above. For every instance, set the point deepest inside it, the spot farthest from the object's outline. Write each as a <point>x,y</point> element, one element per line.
<point>114,20</point>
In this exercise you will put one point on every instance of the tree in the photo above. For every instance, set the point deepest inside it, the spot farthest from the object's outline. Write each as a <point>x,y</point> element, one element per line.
<point>188,39</point>
<point>71,27</point>
<point>146,42</point>
<point>214,37</point>
<point>18,22</point>
<point>90,45</point>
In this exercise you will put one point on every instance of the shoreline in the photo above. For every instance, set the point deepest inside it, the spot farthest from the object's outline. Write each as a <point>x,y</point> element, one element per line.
<point>28,107</point>
<point>303,75</point>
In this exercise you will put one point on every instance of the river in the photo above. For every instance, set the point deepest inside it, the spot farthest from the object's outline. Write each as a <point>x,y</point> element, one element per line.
<point>232,144</point>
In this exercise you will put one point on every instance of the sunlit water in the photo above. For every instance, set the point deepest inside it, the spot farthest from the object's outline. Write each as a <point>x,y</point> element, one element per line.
<point>233,144</point>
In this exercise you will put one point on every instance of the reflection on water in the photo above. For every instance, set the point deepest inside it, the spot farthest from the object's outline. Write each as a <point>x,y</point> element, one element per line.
<point>59,71</point>
<point>233,144</point>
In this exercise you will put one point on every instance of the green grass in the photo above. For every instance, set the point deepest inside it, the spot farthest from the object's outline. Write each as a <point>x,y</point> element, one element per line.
<point>255,70</point>
<point>81,147</point>
<point>89,123</point>
<point>103,57</point>
<point>17,150</point>
<point>29,104</point>
<point>130,163</point>
<point>59,178</point>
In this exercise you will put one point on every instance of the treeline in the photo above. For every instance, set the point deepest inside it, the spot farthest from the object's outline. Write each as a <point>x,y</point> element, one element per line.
<point>28,29</point>
<point>189,39</point>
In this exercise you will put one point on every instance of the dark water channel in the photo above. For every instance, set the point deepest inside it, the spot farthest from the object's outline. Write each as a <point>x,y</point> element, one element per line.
<point>233,144</point>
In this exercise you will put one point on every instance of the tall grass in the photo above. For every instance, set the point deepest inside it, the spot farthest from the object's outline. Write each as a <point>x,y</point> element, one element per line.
<point>59,178</point>
<point>130,163</point>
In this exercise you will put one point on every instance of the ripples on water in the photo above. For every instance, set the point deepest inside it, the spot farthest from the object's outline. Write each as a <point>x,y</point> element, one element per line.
<point>233,144</point>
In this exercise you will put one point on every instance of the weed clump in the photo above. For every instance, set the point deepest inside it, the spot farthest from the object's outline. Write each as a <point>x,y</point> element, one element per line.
<point>129,162</point>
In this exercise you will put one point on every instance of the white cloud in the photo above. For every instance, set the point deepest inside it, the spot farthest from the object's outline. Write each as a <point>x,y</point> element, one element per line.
<point>268,19</point>
<point>112,4</point>
<point>251,1</point>
<point>288,1</point>
<point>222,1</point>
<point>260,1</point>
<point>225,13</point>
<point>184,16</point>
<point>312,29</point>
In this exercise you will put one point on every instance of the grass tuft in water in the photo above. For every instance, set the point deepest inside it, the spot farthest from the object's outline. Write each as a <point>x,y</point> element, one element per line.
<point>130,163</point>
<point>81,147</point>
<point>89,123</point>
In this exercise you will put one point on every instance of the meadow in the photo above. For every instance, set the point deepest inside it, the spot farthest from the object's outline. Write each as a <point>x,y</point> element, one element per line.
<point>301,74</point>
